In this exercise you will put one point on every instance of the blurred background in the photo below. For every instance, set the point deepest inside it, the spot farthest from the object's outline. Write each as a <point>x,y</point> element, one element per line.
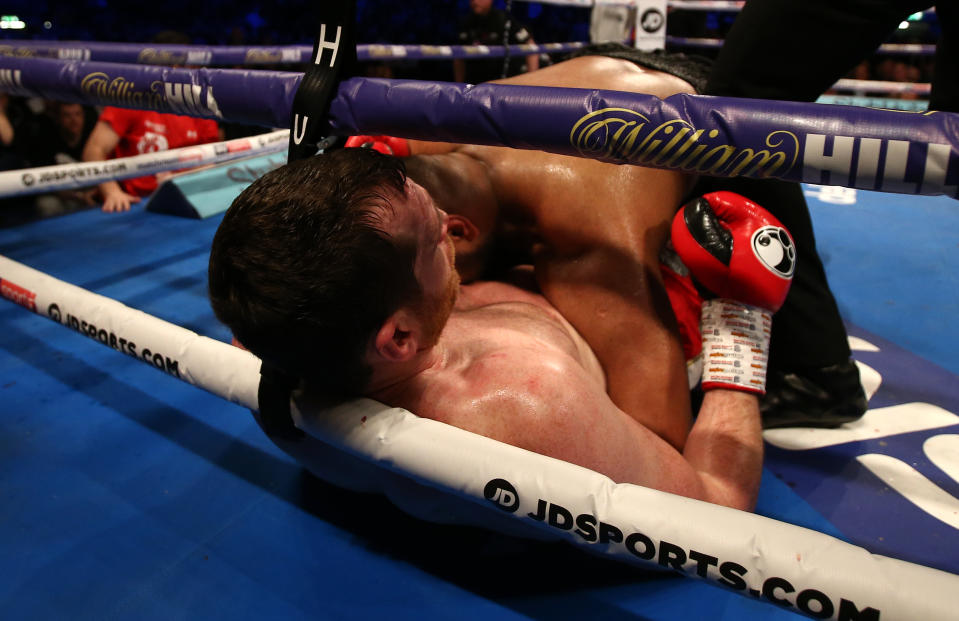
<point>279,22</point>
<point>35,132</point>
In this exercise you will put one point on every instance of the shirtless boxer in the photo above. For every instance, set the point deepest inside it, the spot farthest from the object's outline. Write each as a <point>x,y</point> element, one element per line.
<point>598,229</point>
<point>340,270</point>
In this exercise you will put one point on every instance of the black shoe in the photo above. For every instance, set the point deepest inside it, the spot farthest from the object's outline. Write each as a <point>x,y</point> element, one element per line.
<point>819,397</point>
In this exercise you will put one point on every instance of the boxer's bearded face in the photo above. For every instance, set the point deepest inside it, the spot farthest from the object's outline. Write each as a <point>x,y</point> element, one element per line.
<point>436,309</point>
<point>439,297</point>
<point>415,216</point>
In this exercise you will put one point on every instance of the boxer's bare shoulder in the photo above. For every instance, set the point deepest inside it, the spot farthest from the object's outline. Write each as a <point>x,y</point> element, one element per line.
<point>511,372</point>
<point>605,73</point>
<point>507,356</point>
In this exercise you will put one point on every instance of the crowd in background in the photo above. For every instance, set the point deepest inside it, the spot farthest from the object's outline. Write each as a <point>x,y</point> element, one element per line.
<point>37,133</point>
<point>249,22</point>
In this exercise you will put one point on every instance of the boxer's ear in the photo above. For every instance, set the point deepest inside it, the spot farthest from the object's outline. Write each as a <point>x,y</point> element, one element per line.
<point>461,228</point>
<point>398,338</point>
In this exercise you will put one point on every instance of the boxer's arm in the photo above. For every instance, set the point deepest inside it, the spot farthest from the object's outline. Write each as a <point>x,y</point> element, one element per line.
<point>570,417</point>
<point>618,305</point>
<point>719,460</point>
<point>740,252</point>
<point>424,147</point>
<point>401,147</point>
<point>725,447</point>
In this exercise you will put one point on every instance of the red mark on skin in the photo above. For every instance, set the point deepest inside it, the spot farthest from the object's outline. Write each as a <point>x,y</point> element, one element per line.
<point>363,420</point>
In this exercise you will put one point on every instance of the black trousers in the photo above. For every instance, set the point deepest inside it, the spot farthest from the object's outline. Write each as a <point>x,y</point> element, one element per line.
<point>795,50</point>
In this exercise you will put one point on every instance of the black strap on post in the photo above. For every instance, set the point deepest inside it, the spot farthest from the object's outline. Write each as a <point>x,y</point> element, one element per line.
<point>333,60</point>
<point>273,397</point>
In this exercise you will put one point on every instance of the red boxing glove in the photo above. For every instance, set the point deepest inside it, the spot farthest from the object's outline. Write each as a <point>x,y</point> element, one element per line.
<point>400,147</point>
<point>736,249</point>
<point>739,251</point>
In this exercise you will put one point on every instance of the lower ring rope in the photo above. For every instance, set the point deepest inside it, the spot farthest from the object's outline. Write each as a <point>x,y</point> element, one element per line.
<point>84,174</point>
<point>497,483</point>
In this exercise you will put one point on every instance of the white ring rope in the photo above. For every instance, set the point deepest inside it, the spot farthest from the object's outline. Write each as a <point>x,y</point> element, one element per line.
<point>472,479</point>
<point>879,86</point>
<point>706,5</point>
<point>691,5</point>
<point>221,369</point>
<point>688,5</point>
<point>885,103</point>
<point>84,174</point>
<point>886,48</point>
<point>383,51</point>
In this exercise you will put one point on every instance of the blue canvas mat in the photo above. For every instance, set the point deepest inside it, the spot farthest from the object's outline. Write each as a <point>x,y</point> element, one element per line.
<point>130,495</point>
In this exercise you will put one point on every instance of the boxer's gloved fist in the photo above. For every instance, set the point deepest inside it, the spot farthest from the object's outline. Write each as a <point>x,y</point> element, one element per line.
<point>389,145</point>
<point>735,249</point>
<point>740,252</point>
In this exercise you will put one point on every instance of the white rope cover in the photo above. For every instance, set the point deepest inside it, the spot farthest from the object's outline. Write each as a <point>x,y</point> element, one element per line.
<point>882,86</point>
<point>85,174</point>
<point>454,475</point>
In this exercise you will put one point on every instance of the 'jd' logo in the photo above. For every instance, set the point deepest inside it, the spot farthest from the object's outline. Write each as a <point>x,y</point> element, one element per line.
<point>502,494</point>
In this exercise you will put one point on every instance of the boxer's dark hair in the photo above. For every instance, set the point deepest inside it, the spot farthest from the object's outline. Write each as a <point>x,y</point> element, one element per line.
<point>301,273</point>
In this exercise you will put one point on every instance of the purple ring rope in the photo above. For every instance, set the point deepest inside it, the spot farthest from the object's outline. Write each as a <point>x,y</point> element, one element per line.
<point>204,55</point>
<point>237,95</point>
<point>863,148</point>
<point>857,147</point>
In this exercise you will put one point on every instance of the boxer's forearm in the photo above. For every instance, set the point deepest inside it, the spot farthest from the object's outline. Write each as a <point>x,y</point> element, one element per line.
<point>725,447</point>
<point>424,147</point>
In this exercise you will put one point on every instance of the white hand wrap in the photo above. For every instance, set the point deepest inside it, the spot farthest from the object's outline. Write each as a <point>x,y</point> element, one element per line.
<point>735,345</point>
